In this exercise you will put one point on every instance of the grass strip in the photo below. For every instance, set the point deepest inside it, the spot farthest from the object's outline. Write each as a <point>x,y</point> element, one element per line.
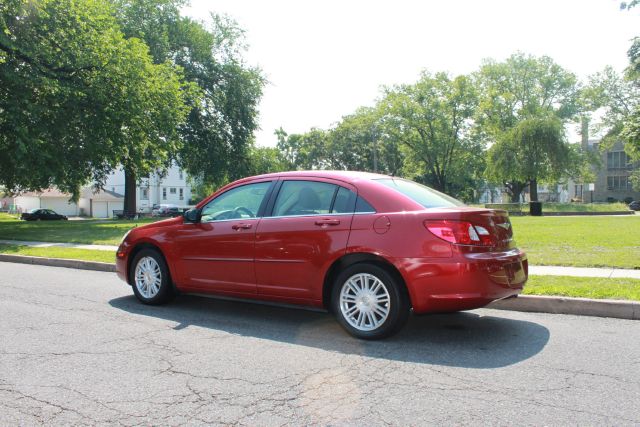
<point>584,287</point>
<point>57,252</point>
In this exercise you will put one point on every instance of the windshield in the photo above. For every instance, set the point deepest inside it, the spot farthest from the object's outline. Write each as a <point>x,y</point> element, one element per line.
<point>427,197</point>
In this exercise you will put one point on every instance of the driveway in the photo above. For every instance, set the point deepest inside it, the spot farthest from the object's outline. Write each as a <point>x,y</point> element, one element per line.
<point>77,348</point>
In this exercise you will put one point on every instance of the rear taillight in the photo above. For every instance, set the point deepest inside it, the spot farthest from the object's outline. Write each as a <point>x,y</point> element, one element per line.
<point>460,232</point>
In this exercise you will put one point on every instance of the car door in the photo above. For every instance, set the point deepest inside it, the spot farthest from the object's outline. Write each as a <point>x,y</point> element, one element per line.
<point>217,253</point>
<point>304,233</point>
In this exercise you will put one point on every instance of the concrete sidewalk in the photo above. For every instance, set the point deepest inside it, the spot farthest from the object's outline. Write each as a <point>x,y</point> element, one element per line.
<point>608,273</point>
<point>60,245</point>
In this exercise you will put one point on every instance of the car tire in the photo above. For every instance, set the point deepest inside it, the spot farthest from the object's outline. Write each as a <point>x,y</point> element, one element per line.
<point>150,279</point>
<point>369,302</point>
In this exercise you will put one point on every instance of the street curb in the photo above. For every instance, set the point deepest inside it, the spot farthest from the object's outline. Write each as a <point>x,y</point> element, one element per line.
<point>528,303</point>
<point>59,262</point>
<point>578,306</point>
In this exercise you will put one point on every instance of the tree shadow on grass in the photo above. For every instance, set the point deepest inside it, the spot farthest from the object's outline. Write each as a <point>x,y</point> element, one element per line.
<point>465,339</point>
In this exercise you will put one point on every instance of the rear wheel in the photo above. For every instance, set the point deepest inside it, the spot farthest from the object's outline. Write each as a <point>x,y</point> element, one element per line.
<point>149,277</point>
<point>368,302</point>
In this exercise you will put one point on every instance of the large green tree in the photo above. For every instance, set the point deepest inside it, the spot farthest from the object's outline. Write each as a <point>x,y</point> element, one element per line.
<point>432,119</point>
<point>76,97</point>
<point>217,137</point>
<point>522,97</point>
<point>534,148</point>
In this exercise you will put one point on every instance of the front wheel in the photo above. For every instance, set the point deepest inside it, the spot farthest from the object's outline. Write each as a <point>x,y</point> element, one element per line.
<point>149,277</point>
<point>369,303</point>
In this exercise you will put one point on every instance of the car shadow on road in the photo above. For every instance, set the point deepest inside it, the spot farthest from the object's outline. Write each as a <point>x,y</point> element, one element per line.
<point>465,339</point>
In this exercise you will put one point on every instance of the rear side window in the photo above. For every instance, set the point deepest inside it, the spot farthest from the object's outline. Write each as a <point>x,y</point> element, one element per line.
<point>344,202</point>
<point>362,206</point>
<point>304,198</point>
<point>427,197</point>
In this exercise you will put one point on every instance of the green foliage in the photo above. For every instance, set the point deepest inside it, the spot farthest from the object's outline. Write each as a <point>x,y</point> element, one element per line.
<point>432,119</point>
<point>77,98</point>
<point>522,99</point>
<point>217,134</point>
<point>266,160</point>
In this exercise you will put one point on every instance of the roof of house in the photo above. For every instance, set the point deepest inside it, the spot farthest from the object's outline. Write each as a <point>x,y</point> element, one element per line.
<point>48,193</point>
<point>102,195</point>
<point>87,193</point>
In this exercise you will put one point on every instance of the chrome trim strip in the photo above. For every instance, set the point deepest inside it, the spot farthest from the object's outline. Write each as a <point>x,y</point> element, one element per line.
<point>196,258</point>
<point>315,215</point>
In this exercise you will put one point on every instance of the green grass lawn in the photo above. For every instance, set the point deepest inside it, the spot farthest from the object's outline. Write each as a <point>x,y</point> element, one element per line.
<point>608,241</point>
<point>584,287</point>
<point>54,252</point>
<point>104,232</point>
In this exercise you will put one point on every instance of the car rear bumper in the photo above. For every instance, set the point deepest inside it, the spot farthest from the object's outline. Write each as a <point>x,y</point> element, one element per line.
<point>464,282</point>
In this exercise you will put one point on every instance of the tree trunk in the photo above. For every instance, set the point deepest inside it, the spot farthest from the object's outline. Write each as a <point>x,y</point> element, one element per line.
<point>533,190</point>
<point>515,189</point>
<point>130,191</point>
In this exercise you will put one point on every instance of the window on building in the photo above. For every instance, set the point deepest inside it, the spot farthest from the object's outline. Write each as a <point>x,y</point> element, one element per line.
<point>164,193</point>
<point>618,183</point>
<point>618,160</point>
<point>144,193</point>
<point>180,174</point>
<point>181,194</point>
<point>172,190</point>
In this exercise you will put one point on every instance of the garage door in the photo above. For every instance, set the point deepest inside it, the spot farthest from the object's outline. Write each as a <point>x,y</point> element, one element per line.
<point>100,210</point>
<point>60,205</point>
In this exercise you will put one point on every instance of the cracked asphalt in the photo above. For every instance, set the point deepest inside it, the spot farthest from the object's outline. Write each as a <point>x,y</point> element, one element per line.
<point>77,348</point>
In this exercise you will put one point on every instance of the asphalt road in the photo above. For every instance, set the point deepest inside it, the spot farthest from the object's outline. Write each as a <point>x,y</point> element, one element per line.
<point>77,348</point>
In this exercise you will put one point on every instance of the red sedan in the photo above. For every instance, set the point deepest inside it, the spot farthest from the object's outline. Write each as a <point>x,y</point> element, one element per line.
<point>370,248</point>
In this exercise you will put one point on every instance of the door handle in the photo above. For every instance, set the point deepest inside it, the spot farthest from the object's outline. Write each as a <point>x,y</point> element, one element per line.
<point>326,221</point>
<point>241,226</point>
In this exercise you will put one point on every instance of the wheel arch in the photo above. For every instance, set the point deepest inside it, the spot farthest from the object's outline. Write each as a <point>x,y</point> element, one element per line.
<point>146,245</point>
<point>356,258</point>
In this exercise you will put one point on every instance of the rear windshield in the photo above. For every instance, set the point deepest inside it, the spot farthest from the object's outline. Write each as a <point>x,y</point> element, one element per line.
<point>427,197</point>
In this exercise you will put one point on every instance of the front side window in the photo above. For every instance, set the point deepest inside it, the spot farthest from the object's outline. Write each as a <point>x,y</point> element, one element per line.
<point>237,203</point>
<point>304,198</point>
<point>427,197</point>
<point>144,194</point>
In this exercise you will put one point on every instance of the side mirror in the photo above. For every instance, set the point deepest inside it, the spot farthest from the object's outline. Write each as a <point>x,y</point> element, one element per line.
<point>192,216</point>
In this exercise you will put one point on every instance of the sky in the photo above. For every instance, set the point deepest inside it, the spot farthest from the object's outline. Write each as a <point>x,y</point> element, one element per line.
<point>324,59</point>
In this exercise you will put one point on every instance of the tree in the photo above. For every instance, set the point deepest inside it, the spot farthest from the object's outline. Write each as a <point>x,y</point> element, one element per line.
<point>535,149</point>
<point>266,160</point>
<point>616,97</point>
<point>432,118</point>
<point>218,134</point>
<point>76,97</point>
<point>360,142</point>
<point>304,151</point>
<point>524,97</point>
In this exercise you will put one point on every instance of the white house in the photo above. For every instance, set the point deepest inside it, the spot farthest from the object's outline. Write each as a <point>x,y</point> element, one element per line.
<point>99,204</point>
<point>173,188</point>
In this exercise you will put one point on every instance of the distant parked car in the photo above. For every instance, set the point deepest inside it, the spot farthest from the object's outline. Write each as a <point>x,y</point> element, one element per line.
<point>166,210</point>
<point>42,215</point>
<point>635,206</point>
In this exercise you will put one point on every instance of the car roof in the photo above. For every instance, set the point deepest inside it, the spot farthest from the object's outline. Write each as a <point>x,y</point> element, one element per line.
<point>347,176</point>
